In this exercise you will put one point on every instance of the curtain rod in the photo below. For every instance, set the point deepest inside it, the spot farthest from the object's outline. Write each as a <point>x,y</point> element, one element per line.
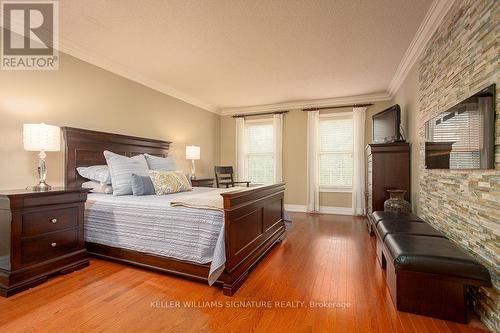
<point>258,114</point>
<point>338,107</point>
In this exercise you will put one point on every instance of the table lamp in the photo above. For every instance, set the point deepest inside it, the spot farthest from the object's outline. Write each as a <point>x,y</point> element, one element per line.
<point>193,153</point>
<point>42,138</point>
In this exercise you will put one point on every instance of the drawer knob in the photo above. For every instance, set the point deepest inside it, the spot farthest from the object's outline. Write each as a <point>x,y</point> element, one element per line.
<point>53,220</point>
<point>53,244</point>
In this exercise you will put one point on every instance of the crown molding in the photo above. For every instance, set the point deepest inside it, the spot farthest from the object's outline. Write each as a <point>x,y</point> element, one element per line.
<point>73,50</point>
<point>336,101</point>
<point>430,23</point>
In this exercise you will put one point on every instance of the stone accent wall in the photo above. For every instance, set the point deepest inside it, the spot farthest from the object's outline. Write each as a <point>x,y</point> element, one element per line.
<point>463,57</point>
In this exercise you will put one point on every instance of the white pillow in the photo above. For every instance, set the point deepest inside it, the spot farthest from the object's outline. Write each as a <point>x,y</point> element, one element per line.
<point>98,173</point>
<point>160,163</point>
<point>121,169</point>
<point>96,187</point>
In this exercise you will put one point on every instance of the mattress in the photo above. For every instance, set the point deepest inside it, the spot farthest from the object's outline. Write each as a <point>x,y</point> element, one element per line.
<point>149,224</point>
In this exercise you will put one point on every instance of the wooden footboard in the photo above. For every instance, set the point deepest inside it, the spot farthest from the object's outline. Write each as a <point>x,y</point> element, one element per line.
<point>253,224</point>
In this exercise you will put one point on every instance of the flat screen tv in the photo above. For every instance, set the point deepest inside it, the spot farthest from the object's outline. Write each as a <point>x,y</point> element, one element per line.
<point>386,125</point>
<point>463,137</point>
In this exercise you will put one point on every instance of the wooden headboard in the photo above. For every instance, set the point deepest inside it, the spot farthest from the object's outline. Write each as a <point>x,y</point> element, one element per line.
<point>84,148</point>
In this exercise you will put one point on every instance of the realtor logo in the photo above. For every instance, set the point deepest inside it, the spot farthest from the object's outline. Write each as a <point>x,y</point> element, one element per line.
<point>30,32</point>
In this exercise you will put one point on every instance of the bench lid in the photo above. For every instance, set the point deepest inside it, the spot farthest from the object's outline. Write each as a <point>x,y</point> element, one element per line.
<point>385,227</point>
<point>379,216</point>
<point>434,255</point>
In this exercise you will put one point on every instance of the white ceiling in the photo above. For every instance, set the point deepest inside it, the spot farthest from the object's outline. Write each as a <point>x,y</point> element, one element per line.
<point>232,53</point>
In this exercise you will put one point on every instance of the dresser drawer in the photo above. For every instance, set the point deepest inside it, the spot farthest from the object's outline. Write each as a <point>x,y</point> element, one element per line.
<point>37,223</point>
<point>49,245</point>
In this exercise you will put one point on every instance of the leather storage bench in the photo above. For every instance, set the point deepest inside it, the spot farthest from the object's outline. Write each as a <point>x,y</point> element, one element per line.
<point>387,227</point>
<point>425,272</point>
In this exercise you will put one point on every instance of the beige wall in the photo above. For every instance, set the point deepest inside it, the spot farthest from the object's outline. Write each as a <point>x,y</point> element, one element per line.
<point>295,157</point>
<point>85,96</point>
<point>295,154</point>
<point>407,98</point>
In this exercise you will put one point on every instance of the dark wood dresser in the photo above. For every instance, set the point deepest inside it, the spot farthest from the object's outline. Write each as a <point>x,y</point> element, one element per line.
<point>388,167</point>
<point>203,182</point>
<point>41,234</point>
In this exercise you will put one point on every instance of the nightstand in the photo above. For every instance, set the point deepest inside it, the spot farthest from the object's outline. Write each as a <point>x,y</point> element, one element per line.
<point>203,182</point>
<point>41,234</point>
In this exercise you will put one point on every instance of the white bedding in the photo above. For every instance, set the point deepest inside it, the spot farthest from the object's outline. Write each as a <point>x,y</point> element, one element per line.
<point>149,224</point>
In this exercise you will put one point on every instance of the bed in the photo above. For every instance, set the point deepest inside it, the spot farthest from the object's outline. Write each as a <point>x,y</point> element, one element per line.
<point>251,222</point>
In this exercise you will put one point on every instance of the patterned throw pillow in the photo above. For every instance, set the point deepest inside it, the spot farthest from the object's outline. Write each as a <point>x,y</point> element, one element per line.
<point>166,182</point>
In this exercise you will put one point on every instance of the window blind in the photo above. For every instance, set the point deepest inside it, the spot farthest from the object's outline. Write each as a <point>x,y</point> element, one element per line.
<point>260,152</point>
<point>335,146</point>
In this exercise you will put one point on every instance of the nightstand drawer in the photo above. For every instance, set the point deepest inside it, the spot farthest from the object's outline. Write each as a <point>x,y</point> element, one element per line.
<point>49,245</point>
<point>37,223</point>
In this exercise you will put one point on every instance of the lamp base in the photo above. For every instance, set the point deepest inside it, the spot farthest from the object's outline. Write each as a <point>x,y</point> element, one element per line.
<point>41,187</point>
<point>193,170</point>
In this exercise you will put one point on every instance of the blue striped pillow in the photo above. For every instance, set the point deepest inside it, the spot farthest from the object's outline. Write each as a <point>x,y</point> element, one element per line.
<point>121,169</point>
<point>160,163</point>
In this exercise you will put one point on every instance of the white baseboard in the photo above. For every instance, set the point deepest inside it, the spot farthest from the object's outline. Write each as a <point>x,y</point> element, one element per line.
<point>296,208</point>
<point>322,209</point>
<point>335,210</point>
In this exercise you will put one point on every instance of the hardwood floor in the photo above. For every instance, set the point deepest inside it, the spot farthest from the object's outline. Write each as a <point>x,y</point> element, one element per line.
<point>326,258</point>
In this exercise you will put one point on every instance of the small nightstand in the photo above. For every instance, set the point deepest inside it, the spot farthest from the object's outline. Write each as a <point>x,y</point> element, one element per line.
<point>202,182</point>
<point>41,234</point>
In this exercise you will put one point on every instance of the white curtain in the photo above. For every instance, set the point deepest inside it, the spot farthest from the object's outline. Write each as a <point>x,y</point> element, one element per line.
<point>278,147</point>
<point>358,160</point>
<point>313,161</point>
<point>241,173</point>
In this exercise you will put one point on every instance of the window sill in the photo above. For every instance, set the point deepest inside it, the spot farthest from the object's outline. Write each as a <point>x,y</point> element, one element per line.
<point>335,190</point>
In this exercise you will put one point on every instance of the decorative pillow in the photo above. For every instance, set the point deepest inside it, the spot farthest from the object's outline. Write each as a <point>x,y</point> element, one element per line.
<point>142,185</point>
<point>160,163</point>
<point>166,182</point>
<point>98,173</point>
<point>121,169</point>
<point>97,187</point>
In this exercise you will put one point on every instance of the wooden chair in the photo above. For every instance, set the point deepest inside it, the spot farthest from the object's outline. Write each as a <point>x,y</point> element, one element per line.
<point>224,177</point>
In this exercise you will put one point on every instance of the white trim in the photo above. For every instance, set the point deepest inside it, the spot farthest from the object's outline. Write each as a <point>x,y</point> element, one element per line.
<point>296,208</point>
<point>336,101</point>
<point>431,21</point>
<point>332,189</point>
<point>335,210</point>
<point>322,209</point>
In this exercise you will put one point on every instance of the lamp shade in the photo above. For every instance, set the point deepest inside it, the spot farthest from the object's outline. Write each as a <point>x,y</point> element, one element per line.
<point>192,152</point>
<point>38,137</point>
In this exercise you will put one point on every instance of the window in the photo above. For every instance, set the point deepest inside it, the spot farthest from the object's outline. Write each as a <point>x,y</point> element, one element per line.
<point>335,150</point>
<point>259,151</point>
